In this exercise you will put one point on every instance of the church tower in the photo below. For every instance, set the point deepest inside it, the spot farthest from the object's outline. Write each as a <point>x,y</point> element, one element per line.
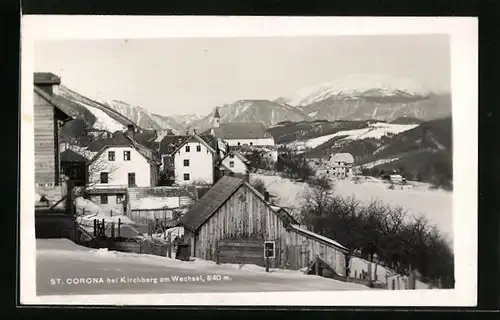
<point>216,118</point>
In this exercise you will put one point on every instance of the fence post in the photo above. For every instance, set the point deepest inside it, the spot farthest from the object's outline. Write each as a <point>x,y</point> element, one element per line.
<point>316,266</point>
<point>169,245</point>
<point>119,227</point>
<point>112,230</point>
<point>217,261</point>
<point>110,213</point>
<point>103,228</point>
<point>95,227</point>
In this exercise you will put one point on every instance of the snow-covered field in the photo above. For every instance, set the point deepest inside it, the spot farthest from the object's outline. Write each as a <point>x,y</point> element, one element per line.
<point>374,130</point>
<point>417,198</point>
<point>54,256</point>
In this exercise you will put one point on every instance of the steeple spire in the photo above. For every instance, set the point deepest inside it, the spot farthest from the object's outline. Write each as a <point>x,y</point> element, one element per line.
<point>216,118</point>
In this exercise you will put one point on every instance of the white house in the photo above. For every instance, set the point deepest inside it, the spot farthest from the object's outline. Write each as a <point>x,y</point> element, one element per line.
<point>234,163</point>
<point>239,134</point>
<point>192,158</point>
<point>340,164</point>
<point>119,164</point>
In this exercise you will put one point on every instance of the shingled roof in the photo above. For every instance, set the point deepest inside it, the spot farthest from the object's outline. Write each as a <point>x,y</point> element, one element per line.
<point>210,202</point>
<point>249,130</point>
<point>170,143</point>
<point>44,78</point>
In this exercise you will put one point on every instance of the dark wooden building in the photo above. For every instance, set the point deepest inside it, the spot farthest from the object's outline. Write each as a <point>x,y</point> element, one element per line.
<point>49,116</point>
<point>74,166</point>
<point>232,222</point>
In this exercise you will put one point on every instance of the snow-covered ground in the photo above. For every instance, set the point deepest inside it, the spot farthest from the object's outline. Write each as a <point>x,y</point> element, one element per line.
<point>64,260</point>
<point>374,130</point>
<point>417,198</point>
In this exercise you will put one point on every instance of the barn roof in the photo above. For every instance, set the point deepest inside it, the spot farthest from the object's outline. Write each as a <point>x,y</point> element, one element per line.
<point>212,200</point>
<point>249,130</point>
<point>63,111</point>
<point>317,237</point>
<point>42,78</point>
<point>342,157</point>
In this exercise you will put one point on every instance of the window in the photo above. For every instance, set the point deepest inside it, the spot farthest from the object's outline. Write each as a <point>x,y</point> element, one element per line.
<point>186,176</point>
<point>126,155</point>
<point>111,155</point>
<point>198,148</point>
<point>251,143</point>
<point>119,198</point>
<point>104,177</point>
<point>104,199</point>
<point>188,148</point>
<point>239,144</point>
<point>231,156</point>
<point>231,164</point>
<point>186,163</point>
<point>327,172</point>
<point>269,249</point>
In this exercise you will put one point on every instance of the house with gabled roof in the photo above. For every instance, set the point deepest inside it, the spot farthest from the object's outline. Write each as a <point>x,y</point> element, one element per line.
<point>341,164</point>
<point>193,158</point>
<point>233,222</point>
<point>235,164</point>
<point>119,162</point>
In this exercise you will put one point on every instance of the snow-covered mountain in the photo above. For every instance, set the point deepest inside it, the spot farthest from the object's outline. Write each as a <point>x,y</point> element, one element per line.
<point>136,114</point>
<point>263,111</point>
<point>356,85</point>
<point>185,120</point>
<point>363,97</point>
<point>166,123</point>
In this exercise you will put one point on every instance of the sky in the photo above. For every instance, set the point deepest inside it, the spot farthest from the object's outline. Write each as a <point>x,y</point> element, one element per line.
<point>182,76</point>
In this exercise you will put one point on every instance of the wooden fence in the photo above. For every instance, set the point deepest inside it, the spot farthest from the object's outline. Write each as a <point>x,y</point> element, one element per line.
<point>144,216</point>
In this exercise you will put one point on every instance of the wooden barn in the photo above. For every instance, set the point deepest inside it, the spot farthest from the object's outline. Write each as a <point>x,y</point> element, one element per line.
<point>233,222</point>
<point>49,117</point>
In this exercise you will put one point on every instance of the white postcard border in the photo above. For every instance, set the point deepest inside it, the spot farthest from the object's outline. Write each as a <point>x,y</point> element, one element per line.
<point>464,62</point>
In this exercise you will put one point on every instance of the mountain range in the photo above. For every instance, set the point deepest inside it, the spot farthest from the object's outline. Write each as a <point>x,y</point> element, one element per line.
<point>417,135</point>
<point>353,98</point>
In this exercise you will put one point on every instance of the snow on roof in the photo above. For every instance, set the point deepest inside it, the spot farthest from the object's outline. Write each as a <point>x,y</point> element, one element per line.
<point>317,236</point>
<point>342,157</point>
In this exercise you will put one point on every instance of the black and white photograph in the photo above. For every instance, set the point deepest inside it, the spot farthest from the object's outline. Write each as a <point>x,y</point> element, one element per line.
<point>331,168</point>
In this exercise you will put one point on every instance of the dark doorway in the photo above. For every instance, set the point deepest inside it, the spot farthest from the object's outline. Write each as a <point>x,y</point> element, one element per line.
<point>131,179</point>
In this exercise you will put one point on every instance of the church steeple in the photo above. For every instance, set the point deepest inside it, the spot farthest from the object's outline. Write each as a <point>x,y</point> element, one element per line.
<point>216,118</point>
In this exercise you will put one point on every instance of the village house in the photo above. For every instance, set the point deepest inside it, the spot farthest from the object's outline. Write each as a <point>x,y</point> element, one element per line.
<point>49,116</point>
<point>119,163</point>
<point>235,164</point>
<point>144,205</point>
<point>239,134</point>
<point>341,164</point>
<point>193,158</point>
<point>233,222</point>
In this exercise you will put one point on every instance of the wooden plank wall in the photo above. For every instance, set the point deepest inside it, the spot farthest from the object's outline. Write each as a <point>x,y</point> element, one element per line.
<point>246,217</point>
<point>45,171</point>
<point>242,251</point>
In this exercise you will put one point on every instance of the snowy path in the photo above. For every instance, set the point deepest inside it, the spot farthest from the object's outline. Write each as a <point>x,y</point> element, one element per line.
<point>60,259</point>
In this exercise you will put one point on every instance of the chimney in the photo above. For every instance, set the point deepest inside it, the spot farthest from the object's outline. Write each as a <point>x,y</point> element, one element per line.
<point>187,132</point>
<point>194,131</point>
<point>130,130</point>
<point>46,81</point>
<point>266,196</point>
